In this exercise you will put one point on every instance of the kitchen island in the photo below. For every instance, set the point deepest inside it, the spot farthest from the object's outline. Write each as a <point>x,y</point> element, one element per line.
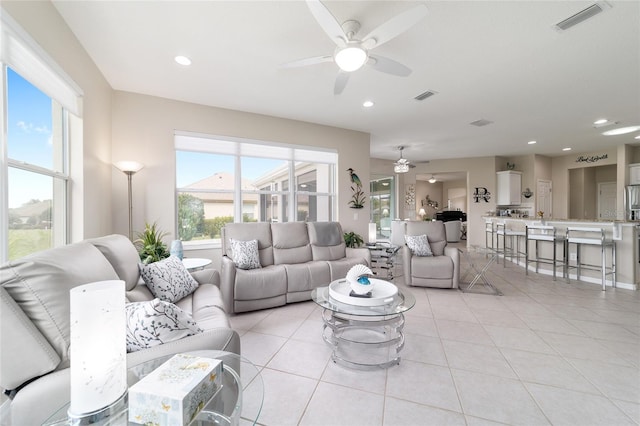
<point>624,233</point>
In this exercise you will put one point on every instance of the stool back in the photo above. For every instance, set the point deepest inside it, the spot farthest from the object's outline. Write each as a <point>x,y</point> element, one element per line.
<point>583,235</point>
<point>542,232</point>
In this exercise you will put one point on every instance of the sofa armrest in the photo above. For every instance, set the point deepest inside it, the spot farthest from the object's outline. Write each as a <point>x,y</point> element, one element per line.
<point>454,254</point>
<point>360,252</point>
<point>207,276</point>
<point>227,283</point>
<point>406,263</point>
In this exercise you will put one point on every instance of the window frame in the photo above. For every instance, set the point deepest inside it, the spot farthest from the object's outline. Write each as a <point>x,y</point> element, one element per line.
<point>238,147</point>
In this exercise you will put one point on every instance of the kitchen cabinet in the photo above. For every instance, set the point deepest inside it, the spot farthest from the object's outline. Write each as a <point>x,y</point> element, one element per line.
<point>509,188</point>
<point>634,174</point>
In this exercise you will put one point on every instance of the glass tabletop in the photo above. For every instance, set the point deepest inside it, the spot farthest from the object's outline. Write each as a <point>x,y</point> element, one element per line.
<point>240,398</point>
<point>401,302</point>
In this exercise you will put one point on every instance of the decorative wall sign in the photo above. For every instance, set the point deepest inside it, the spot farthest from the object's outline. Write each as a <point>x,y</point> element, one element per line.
<point>481,193</point>
<point>591,158</point>
<point>410,196</point>
<point>357,199</point>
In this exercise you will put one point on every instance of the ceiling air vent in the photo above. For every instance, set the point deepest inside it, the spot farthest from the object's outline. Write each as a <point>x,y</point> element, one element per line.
<point>481,122</point>
<point>425,95</point>
<point>582,16</point>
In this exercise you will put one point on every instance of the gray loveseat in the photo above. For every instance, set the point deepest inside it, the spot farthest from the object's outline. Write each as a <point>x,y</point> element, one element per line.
<point>295,258</point>
<point>34,327</point>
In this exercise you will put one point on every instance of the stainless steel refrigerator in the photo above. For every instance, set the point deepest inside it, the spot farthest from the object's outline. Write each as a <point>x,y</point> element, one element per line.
<point>632,202</point>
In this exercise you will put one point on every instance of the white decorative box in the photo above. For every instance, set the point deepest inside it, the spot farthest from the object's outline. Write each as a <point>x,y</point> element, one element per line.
<point>175,392</point>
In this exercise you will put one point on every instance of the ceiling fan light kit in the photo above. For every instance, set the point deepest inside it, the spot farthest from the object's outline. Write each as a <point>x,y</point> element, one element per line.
<point>352,53</point>
<point>350,58</point>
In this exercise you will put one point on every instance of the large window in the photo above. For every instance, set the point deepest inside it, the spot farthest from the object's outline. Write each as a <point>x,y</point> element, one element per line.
<point>222,180</point>
<point>35,102</point>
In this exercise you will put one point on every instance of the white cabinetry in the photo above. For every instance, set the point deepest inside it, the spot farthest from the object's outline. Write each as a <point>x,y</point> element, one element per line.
<point>509,188</point>
<point>634,174</point>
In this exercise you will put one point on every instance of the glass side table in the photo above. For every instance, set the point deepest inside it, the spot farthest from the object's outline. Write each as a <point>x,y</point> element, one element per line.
<point>240,398</point>
<point>383,257</point>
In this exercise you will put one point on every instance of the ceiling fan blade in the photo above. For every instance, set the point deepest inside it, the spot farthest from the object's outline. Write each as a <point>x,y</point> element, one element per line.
<point>341,82</point>
<point>389,66</point>
<point>306,61</point>
<point>395,26</point>
<point>327,22</point>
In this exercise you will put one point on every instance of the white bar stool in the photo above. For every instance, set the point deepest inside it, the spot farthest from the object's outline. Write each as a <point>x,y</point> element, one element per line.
<point>580,236</point>
<point>489,234</point>
<point>507,234</point>
<point>545,233</point>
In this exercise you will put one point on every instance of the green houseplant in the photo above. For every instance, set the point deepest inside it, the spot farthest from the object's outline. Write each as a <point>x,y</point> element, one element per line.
<point>352,239</point>
<point>150,245</point>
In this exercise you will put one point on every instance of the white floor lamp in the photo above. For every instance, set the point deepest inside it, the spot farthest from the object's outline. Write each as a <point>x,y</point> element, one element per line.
<point>129,168</point>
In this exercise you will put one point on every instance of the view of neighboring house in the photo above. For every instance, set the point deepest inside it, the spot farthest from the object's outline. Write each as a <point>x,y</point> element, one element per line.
<point>33,214</point>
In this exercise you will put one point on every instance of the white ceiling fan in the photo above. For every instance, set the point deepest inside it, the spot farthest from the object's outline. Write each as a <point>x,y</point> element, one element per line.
<point>352,53</point>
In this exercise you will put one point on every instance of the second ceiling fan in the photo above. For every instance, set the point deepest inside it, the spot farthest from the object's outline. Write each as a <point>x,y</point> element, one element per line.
<point>352,53</point>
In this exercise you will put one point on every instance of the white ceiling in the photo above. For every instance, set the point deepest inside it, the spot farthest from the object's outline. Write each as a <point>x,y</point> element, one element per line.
<point>495,60</point>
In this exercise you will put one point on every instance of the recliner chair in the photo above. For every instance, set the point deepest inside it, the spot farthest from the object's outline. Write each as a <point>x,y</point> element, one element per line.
<point>442,270</point>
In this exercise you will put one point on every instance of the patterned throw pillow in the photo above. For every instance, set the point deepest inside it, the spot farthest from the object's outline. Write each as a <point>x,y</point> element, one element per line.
<point>418,244</point>
<point>156,322</point>
<point>168,279</point>
<point>245,254</point>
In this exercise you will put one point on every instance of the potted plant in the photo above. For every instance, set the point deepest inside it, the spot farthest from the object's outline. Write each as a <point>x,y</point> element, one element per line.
<point>150,245</point>
<point>352,239</point>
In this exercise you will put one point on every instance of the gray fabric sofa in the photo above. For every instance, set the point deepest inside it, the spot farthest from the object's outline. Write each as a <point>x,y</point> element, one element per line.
<point>34,327</point>
<point>295,258</point>
<point>442,270</point>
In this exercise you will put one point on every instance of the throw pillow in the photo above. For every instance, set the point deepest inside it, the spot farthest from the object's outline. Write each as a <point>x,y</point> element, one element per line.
<point>168,279</point>
<point>419,245</point>
<point>156,322</point>
<point>245,254</point>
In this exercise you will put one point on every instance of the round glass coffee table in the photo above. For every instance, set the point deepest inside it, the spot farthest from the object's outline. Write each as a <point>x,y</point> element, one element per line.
<point>363,336</point>
<point>239,399</point>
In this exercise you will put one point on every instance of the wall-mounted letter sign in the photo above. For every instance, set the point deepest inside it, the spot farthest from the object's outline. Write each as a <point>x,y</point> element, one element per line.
<point>481,193</point>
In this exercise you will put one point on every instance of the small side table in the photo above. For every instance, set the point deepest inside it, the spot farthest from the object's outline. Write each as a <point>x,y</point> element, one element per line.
<point>195,263</point>
<point>383,257</point>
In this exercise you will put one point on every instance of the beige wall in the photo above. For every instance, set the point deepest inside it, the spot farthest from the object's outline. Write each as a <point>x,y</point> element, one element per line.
<point>143,130</point>
<point>481,172</point>
<point>90,166</point>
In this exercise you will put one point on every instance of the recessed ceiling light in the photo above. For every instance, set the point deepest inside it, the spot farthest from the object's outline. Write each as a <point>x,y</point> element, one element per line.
<point>566,149</point>
<point>183,60</point>
<point>532,142</point>
<point>621,131</point>
<point>637,137</point>
<point>600,121</point>
<point>367,104</point>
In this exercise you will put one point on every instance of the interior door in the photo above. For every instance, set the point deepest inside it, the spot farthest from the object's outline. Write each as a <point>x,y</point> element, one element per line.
<point>607,199</point>
<point>543,198</point>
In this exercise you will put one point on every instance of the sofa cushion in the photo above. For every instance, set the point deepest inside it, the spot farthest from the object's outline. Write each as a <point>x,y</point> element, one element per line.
<point>419,245</point>
<point>290,243</point>
<point>245,253</point>
<point>168,279</point>
<point>307,276</point>
<point>327,240</point>
<point>435,232</point>
<point>260,231</point>
<point>436,267</point>
<point>156,322</point>
<point>260,283</point>
<point>340,267</point>
<point>26,342</point>
<point>122,255</point>
<point>40,284</point>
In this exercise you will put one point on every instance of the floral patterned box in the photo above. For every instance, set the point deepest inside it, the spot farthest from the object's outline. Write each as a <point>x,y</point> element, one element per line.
<point>175,392</point>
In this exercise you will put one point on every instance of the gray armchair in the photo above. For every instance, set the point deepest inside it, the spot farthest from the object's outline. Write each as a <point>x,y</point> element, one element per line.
<point>442,270</point>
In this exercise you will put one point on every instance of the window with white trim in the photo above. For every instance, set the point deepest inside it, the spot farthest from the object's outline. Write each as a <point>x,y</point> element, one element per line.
<point>222,179</point>
<point>37,99</point>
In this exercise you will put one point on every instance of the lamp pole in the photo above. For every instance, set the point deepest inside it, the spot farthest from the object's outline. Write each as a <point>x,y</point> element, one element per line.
<point>129,174</point>
<point>129,168</point>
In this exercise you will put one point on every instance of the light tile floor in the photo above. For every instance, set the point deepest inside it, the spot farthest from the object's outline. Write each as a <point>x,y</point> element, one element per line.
<point>544,353</point>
